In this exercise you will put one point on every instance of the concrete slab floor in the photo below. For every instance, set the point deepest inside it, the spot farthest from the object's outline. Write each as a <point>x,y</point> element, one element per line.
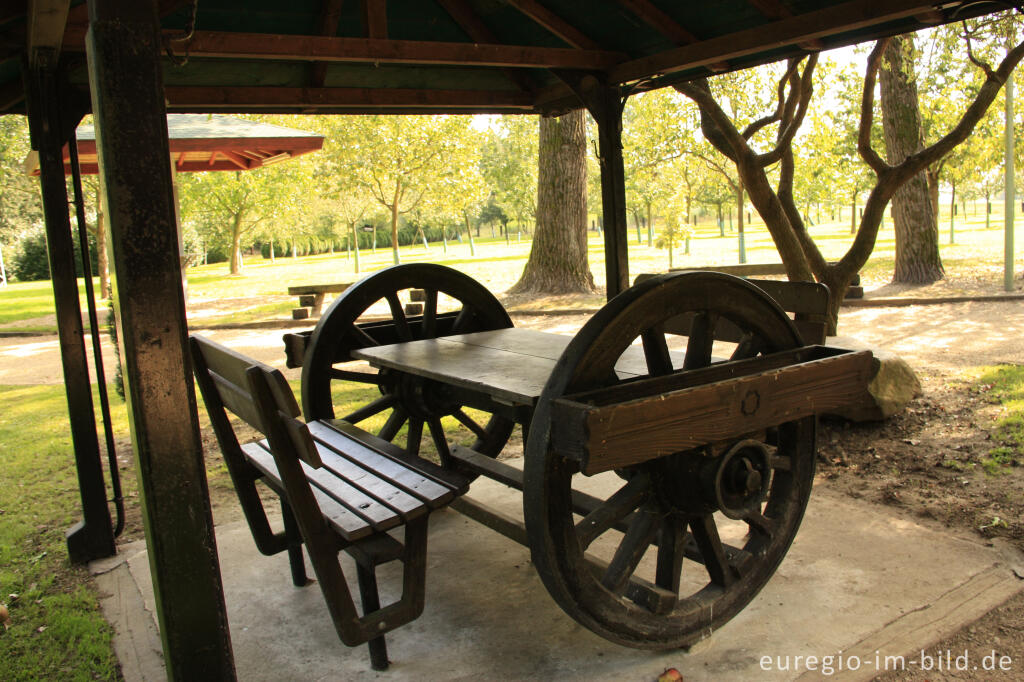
<point>857,583</point>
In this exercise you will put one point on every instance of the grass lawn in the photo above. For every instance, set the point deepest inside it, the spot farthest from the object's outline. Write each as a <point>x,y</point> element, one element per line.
<point>56,631</point>
<point>260,291</point>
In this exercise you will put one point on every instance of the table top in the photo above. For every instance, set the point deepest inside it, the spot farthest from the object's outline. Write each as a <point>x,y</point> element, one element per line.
<point>511,365</point>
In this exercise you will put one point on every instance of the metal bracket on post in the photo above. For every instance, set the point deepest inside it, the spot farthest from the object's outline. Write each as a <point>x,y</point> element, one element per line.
<point>605,103</point>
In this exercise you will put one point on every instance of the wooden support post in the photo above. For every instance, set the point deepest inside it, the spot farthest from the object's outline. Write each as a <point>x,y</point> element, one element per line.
<point>605,102</point>
<point>123,48</point>
<point>52,121</point>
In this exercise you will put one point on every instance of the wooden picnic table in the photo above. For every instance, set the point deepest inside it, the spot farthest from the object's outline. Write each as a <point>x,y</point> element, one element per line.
<point>695,392</point>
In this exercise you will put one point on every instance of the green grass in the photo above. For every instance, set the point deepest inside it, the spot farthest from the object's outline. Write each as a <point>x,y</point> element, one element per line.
<point>260,291</point>
<point>57,631</point>
<point>1005,385</point>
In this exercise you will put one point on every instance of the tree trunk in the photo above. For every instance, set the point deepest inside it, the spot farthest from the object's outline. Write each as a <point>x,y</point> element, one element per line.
<point>558,256</point>
<point>236,245</point>
<point>102,261</point>
<point>394,220</point>
<point>917,235</point>
<point>469,233</point>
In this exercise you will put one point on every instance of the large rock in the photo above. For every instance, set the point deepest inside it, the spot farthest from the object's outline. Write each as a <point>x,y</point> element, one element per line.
<point>892,387</point>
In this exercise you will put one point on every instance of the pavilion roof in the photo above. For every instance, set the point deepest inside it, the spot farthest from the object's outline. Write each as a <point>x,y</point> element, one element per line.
<point>462,56</point>
<point>203,142</point>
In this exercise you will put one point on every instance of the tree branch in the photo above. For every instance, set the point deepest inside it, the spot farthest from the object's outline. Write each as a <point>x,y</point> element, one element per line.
<point>867,112</point>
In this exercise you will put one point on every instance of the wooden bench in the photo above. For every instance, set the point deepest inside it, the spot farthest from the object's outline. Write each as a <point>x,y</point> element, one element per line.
<point>805,302</point>
<point>855,289</point>
<point>340,489</point>
<point>311,298</point>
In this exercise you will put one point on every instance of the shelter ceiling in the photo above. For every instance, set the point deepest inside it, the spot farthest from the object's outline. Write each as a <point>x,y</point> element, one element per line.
<point>456,56</point>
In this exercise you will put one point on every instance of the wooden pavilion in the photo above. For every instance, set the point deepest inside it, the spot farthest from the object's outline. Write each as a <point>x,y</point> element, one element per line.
<point>131,61</point>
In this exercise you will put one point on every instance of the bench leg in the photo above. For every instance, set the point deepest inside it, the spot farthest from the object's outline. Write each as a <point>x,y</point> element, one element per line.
<point>294,539</point>
<point>371,602</point>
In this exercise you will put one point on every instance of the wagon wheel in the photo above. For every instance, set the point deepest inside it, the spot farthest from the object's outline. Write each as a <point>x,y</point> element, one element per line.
<point>452,303</point>
<point>685,508</point>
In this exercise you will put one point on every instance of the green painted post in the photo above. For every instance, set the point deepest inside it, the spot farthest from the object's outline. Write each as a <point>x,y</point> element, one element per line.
<point>1008,190</point>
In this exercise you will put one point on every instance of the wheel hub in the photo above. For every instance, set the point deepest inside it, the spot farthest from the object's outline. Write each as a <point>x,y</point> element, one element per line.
<point>420,397</point>
<point>696,482</point>
<point>741,479</point>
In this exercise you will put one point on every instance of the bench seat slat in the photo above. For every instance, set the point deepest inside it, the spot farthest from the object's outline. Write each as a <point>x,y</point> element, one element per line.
<point>414,477</point>
<point>377,484</point>
<point>379,453</point>
<point>347,524</point>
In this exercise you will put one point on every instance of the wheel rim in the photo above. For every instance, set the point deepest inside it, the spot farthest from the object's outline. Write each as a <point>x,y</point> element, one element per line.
<point>453,303</point>
<point>594,563</point>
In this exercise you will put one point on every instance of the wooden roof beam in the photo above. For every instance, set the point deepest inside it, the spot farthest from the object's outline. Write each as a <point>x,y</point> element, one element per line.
<point>479,32</point>
<point>330,18</point>
<point>240,161</point>
<point>850,16</point>
<point>654,17</point>
<point>46,22</point>
<point>554,23</point>
<point>204,98</point>
<point>333,49</point>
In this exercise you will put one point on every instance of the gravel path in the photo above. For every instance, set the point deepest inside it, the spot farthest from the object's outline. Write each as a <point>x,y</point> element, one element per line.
<point>940,337</point>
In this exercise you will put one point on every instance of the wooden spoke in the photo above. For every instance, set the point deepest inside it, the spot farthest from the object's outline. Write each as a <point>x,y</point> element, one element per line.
<point>468,422</point>
<point>394,424</point>
<point>430,314</point>
<point>440,440</point>
<point>671,550</point>
<point>463,321</point>
<point>705,533</point>
<point>656,353</point>
<point>363,337</point>
<point>376,407</point>
<point>398,314</point>
<point>700,341</point>
<point>749,346</point>
<point>760,523</point>
<point>615,508</point>
<point>414,436</point>
<point>641,533</point>
<point>361,377</point>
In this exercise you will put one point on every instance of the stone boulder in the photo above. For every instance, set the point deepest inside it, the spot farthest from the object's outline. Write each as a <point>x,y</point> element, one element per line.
<point>892,387</point>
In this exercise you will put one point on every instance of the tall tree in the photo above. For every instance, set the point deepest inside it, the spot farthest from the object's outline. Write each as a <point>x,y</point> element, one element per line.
<point>777,207</point>
<point>917,236</point>
<point>558,261</point>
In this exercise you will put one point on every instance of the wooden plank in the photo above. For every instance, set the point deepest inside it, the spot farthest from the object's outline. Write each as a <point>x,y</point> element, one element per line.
<point>654,17</point>
<point>382,485</point>
<point>428,490</point>
<point>347,524</point>
<point>306,289</point>
<point>375,17</point>
<point>510,365</point>
<point>660,424</point>
<point>330,19</point>
<point>331,49</point>
<point>449,479</point>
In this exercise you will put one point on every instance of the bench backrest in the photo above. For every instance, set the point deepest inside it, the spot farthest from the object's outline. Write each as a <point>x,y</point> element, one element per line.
<point>806,302</point>
<point>255,392</point>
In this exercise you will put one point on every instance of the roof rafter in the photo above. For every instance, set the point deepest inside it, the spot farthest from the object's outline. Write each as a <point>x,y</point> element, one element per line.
<point>333,49</point>
<point>330,18</point>
<point>795,30</point>
<point>375,17</point>
<point>554,23</point>
<point>667,26</point>
<point>479,32</point>
<point>774,9</point>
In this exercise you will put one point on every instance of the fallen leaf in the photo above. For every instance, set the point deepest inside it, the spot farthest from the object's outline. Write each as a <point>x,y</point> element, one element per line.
<point>5,616</point>
<point>670,675</point>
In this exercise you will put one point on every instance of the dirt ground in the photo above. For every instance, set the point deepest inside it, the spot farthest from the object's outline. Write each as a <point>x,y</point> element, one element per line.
<point>924,463</point>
